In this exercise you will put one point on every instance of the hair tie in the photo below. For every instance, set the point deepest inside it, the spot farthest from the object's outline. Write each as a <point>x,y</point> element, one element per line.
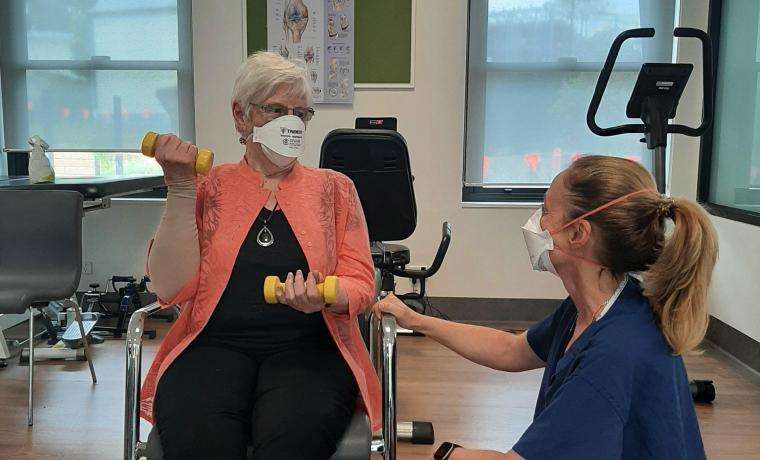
<point>666,206</point>
<point>241,139</point>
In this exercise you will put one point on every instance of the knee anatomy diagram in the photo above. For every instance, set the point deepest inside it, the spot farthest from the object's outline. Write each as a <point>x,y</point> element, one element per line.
<point>294,20</point>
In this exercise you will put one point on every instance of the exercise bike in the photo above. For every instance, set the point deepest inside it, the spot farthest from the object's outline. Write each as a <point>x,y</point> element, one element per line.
<point>127,298</point>
<point>376,158</point>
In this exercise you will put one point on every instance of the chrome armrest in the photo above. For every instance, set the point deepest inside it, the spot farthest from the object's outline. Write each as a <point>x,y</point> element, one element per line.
<point>383,346</point>
<point>133,379</point>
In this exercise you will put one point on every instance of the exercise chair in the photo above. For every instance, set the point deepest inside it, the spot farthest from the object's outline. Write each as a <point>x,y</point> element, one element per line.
<point>40,259</point>
<point>356,443</point>
<point>377,161</point>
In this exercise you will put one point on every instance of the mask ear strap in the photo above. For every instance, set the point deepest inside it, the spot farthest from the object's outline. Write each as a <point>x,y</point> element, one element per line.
<point>575,256</point>
<point>602,208</point>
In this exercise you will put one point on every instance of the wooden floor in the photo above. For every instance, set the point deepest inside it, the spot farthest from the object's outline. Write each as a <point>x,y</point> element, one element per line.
<point>471,405</point>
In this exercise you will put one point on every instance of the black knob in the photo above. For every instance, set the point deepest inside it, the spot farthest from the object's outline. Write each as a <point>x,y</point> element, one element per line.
<point>702,390</point>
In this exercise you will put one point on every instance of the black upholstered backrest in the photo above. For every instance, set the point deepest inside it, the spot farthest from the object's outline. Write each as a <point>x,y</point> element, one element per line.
<point>377,160</point>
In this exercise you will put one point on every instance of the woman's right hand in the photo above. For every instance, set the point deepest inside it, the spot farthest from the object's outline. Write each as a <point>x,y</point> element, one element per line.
<point>392,305</point>
<point>176,158</point>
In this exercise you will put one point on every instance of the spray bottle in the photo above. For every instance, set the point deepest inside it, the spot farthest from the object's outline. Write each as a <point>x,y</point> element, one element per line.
<point>39,165</point>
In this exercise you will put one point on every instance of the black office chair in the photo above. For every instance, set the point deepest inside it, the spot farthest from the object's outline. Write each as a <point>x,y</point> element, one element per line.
<point>40,257</point>
<point>377,161</point>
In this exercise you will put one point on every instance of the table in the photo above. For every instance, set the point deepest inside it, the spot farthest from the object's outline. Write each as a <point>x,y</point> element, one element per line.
<point>96,190</point>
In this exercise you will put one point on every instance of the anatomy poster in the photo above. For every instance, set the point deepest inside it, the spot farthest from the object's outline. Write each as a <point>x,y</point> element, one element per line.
<point>318,34</point>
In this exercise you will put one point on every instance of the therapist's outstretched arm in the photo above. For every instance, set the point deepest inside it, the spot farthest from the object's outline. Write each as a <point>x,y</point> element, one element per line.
<point>483,345</point>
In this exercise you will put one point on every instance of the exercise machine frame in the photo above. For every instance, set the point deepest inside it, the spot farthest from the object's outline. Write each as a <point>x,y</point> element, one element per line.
<point>656,109</point>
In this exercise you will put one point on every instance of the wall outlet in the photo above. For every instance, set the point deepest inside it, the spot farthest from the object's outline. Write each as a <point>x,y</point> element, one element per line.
<point>87,268</point>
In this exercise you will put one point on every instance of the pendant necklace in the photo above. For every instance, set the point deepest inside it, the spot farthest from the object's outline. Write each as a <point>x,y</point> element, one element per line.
<point>265,238</point>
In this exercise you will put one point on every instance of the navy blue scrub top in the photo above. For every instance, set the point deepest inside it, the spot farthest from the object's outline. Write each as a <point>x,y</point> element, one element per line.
<point>618,392</point>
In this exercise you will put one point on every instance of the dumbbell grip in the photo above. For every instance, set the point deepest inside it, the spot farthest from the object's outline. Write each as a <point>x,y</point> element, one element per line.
<point>320,288</point>
<point>203,161</point>
<point>328,290</point>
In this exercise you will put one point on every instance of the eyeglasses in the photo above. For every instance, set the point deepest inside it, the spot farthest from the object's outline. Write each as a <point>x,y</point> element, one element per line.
<point>276,110</point>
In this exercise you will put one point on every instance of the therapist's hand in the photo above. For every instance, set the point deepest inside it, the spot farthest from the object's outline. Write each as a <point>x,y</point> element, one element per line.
<point>176,158</point>
<point>391,304</point>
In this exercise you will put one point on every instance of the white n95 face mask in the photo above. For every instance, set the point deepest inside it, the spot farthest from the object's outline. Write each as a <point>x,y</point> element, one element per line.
<point>282,139</point>
<point>539,242</point>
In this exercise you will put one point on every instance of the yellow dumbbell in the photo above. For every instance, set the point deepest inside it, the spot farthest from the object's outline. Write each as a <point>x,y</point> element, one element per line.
<point>328,290</point>
<point>203,161</point>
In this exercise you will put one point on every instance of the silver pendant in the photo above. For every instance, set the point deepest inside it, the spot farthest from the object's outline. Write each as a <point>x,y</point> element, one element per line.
<point>265,237</point>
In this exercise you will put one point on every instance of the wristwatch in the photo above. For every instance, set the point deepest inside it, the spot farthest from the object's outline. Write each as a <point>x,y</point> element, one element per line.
<point>445,450</point>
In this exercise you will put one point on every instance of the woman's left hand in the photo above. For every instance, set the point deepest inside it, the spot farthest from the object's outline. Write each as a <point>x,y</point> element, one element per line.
<point>302,294</point>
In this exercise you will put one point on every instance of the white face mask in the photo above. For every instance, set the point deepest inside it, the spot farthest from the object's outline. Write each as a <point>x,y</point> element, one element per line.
<point>539,243</point>
<point>282,139</point>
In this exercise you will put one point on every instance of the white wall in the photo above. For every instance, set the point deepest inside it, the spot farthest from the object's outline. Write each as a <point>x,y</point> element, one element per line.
<point>736,289</point>
<point>115,240</point>
<point>487,256</point>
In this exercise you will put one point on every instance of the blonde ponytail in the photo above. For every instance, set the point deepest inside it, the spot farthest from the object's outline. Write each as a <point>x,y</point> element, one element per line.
<point>677,283</point>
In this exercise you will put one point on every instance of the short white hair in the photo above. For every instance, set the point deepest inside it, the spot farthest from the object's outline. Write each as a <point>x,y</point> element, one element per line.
<point>263,73</point>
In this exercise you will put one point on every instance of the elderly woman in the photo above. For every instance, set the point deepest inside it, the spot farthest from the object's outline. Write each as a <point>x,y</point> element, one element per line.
<point>234,371</point>
<point>614,384</point>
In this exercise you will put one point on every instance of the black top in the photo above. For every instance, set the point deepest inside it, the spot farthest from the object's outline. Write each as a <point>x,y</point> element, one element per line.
<point>242,318</point>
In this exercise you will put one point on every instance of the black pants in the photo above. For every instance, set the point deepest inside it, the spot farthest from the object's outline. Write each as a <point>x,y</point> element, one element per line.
<point>214,401</point>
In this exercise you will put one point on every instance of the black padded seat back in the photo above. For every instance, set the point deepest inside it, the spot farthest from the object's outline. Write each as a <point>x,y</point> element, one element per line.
<point>40,247</point>
<point>377,160</point>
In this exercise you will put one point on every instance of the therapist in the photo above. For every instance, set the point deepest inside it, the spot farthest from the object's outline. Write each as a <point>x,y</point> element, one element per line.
<point>614,383</point>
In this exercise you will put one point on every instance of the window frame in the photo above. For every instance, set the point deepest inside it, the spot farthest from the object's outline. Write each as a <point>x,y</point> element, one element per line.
<point>475,194</point>
<point>706,144</point>
<point>15,87</point>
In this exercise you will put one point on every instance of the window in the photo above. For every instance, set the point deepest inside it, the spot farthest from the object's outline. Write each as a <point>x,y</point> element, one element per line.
<point>92,76</point>
<point>729,181</point>
<point>532,68</point>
